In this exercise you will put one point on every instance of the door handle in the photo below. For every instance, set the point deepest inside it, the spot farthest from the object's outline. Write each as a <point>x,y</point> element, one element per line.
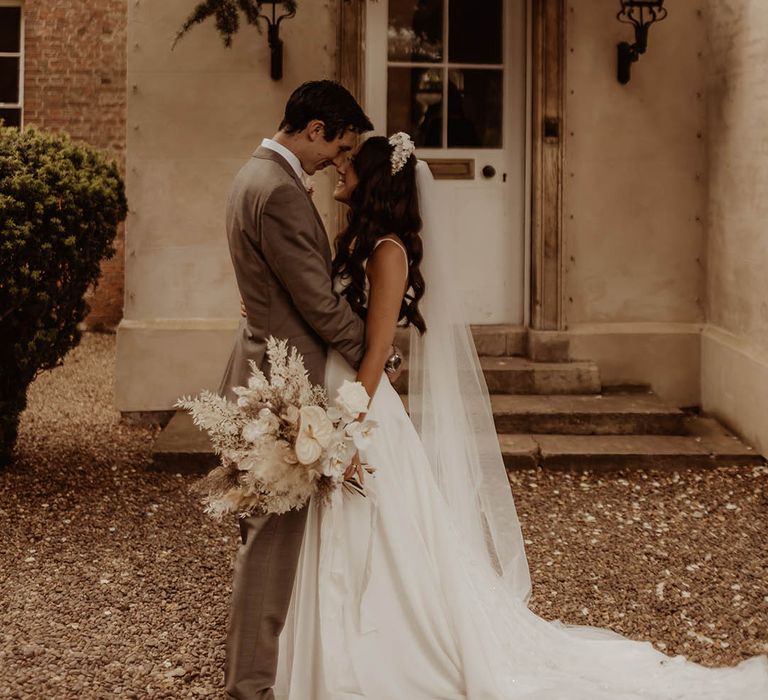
<point>489,171</point>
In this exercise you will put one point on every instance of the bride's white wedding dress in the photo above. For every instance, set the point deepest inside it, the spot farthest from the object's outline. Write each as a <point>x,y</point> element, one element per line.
<point>418,592</point>
<point>389,605</point>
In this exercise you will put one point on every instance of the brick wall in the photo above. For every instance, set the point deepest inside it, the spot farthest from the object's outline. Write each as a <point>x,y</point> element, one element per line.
<point>75,63</point>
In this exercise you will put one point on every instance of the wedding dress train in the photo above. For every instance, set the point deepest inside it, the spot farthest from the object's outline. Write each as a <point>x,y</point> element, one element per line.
<point>389,604</point>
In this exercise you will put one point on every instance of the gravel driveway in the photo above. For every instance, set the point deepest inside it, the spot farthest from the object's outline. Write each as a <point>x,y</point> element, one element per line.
<point>113,584</point>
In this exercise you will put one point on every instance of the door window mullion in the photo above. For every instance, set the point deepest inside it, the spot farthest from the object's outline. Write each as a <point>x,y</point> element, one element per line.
<point>446,77</point>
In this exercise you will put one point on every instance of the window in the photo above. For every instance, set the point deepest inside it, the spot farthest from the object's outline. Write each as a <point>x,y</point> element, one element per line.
<point>446,72</point>
<point>11,64</point>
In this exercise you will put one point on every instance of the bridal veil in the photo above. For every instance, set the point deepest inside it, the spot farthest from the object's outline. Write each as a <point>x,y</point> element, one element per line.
<point>450,407</point>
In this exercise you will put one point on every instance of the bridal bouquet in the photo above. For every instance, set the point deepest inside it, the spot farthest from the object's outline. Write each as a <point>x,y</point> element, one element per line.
<point>281,442</point>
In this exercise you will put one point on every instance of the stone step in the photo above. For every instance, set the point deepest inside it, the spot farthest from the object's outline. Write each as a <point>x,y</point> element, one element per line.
<point>590,414</point>
<point>519,375</point>
<point>713,447</point>
<point>614,414</point>
<point>490,340</point>
<point>181,447</point>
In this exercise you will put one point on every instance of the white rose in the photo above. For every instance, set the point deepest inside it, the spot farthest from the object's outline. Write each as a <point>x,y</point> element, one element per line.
<point>315,432</point>
<point>352,399</point>
<point>246,396</point>
<point>291,415</point>
<point>270,420</point>
<point>254,430</point>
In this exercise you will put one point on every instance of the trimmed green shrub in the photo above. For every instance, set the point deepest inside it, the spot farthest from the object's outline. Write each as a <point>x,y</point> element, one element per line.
<point>60,206</point>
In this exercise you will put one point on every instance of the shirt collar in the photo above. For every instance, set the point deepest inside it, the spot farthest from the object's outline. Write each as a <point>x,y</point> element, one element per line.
<point>289,155</point>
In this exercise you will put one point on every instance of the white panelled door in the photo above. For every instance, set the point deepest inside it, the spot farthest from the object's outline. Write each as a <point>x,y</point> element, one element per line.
<point>452,74</point>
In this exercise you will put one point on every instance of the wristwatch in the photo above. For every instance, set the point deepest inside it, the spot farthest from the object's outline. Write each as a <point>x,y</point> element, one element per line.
<point>393,361</point>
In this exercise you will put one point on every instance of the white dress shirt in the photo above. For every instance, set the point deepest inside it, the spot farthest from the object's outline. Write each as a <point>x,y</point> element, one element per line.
<point>290,156</point>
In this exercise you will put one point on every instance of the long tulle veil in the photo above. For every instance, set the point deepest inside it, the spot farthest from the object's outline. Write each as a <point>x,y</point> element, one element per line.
<point>450,407</point>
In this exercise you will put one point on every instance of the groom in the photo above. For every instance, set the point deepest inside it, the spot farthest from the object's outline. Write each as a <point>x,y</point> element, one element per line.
<point>282,263</point>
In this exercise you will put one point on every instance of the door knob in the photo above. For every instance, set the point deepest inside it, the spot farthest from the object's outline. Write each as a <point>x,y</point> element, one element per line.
<point>489,171</point>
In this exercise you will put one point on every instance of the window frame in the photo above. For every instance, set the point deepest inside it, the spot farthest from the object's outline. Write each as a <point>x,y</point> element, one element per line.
<point>20,55</point>
<point>444,66</point>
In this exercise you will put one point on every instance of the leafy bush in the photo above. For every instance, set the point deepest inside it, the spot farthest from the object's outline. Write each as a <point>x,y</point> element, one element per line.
<point>60,206</point>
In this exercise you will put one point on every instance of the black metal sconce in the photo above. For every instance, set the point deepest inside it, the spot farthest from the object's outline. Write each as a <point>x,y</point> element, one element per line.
<point>273,34</point>
<point>641,14</point>
<point>227,16</point>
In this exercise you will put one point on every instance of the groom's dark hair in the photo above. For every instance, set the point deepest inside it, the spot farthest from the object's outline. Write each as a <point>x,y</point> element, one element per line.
<point>328,101</point>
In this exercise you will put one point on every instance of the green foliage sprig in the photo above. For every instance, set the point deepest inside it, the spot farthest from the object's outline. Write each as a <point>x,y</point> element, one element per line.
<point>227,16</point>
<point>60,206</point>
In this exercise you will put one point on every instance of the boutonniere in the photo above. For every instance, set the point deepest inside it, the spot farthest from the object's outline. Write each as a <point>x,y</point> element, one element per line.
<point>310,188</point>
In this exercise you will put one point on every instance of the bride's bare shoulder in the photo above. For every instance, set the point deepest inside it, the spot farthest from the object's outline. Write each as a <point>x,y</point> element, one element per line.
<point>388,264</point>
<point>391,249</point>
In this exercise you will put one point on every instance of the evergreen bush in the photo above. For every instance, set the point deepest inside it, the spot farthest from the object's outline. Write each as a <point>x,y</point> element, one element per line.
<point>60,206</point>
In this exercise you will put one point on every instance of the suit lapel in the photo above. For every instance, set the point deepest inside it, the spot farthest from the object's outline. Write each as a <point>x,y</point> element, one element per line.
<point>269,154</point>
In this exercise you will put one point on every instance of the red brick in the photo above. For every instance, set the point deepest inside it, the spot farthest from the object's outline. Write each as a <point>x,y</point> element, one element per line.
<point>71,49</point>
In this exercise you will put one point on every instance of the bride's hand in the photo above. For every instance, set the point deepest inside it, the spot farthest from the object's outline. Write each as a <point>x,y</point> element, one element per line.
<point>355,469</point>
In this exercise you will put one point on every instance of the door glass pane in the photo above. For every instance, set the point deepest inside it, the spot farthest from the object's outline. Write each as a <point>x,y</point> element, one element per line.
<point>475,31</point>
<point>415,32</point>
<point>10,117</point>
<point>10,29</point>
<point>9,79</point>
<point>415,103</point>
<point>475,103</point>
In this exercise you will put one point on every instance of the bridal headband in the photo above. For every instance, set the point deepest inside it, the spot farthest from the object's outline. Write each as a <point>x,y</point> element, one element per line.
<point>403,148</point>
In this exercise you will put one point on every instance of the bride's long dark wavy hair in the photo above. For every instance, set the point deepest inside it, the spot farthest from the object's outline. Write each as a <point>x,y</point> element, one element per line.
<point>380,205</point>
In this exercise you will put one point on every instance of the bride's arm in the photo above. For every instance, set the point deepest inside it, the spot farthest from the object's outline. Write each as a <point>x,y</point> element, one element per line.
<point>387,273</point>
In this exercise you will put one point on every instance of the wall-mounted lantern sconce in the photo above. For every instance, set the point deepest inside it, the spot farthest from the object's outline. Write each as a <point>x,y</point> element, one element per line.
<point>273,35</point>
<point>226,14</point>
<point>641,14</point>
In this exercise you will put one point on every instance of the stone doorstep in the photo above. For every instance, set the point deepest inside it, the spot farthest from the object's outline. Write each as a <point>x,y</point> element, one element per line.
<point>614,414</point>
<point>616,452</point>
<point>490,340</point>
<point>592,414</point>
<point>519,375</point>
<point>181,447</point>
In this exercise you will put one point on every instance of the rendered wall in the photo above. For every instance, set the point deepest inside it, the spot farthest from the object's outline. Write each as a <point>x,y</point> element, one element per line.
<point>735,343</point>
<point>195,114</point>
<point>635,199</point>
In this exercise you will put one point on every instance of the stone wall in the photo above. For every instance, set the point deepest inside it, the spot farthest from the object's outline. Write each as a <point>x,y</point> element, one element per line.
<point>75,82</point>
<point>735,341</point>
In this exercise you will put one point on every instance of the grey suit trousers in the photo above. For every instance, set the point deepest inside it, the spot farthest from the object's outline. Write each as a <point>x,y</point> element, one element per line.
<point>265,569</point>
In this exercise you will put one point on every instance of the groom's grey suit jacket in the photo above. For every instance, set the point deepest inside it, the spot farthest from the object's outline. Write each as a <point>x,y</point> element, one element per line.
<point>282,262</point>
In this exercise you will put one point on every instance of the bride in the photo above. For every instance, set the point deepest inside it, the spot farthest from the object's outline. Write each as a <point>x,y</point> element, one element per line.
<point>419,590</point>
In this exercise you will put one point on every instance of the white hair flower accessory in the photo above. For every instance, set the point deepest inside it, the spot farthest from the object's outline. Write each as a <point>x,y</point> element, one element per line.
<point>403,147</point>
